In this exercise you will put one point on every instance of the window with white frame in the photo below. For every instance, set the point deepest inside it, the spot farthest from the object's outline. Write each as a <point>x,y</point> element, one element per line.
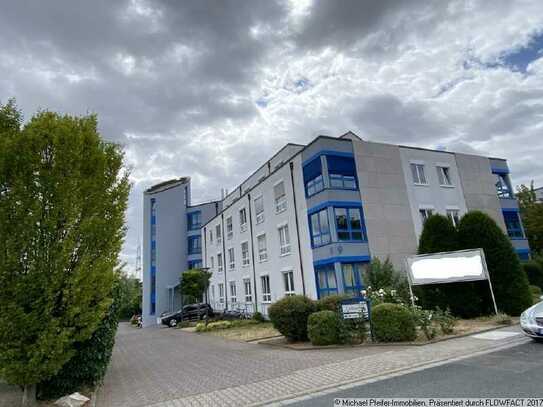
<point>284,240</point>
<point>259,209</point>
<point>419,177</point>
<point>233,292</point>
<point>219,262</point>
<point>218,233</point>
<point>213,292</point>
<point>231,259</point>
<point>245,254</point>
<point>425,213</point>
<point>243,219</point>
<point>211,236</point>
<point>221,293</point>
<point>262,248</point>
<point>454,216</point>
<point>288,279</point>
<point>229,228</point>
<point>444,176</point>
<point>266,291</point>
<point>248,290</point>
<point>280,197</point>
<point>212,259</point>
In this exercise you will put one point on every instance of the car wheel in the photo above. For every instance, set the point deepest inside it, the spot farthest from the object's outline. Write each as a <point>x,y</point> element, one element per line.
<point>539,340</point>
<point>173,323</point>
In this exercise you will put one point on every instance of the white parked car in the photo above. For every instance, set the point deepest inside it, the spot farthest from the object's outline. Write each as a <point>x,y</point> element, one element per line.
<point>531,321</point>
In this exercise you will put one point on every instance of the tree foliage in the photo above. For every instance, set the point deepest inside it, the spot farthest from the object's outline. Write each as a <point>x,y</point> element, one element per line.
<point>63,194</point>
<point>438,235</point>
<point>194,284</point>
<point>381,275</point>
<point>478,230</point>
<point>531,212</point>
<point>129,296</point>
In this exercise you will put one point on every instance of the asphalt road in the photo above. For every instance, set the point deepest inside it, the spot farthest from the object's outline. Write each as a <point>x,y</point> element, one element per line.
<point>513,372</point>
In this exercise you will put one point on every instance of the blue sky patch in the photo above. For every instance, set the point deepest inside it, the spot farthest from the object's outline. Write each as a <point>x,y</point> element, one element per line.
<point>519,59</point>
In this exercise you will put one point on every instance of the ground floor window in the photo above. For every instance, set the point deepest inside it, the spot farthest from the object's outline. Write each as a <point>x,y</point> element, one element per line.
<point>221,293</point>
<point>326,280</point>
<point>353,273</point>
<point>288,279</point>
<point>248,291</point>
<point>233,292</point>
<point>266,291</point>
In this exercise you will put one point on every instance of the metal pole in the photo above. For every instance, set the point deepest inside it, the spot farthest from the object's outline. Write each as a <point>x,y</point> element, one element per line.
<point>483,259</point>
<point>409,283</point>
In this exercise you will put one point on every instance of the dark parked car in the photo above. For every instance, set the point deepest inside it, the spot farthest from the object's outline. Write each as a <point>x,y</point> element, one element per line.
<point>190,312</point>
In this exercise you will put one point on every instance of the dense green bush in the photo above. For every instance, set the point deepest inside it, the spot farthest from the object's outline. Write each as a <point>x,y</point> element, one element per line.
<point>258,317</point>
<point>289,316</point>
<point>445,320</point>
<point>382,276</point>
<point>393,323</point>
<point>536,293</point>
<point>438,235</point>
<point>352,331</point>
<point>534,272</point>
<point>323,327</point>
<point>331,302</point>
<point>88,366</point>
<point>510,284</point>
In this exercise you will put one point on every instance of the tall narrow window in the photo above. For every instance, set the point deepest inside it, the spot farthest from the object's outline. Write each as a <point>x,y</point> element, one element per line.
<point>243,219</point>
<point>259,209</point>
<point>221,293</point>
<point>245,254</point>
<point>513,226</point>
<point>195,246</point>
<point>211,236</point>
<point>233,292</point>
<point>262,248</point>
<point>320,228</point>
<point>453,215</point>
<point>212,259</point>
<point>425,213</point>
<point>280,197</point>
<point>218,234</point>
<point>248,291</point>
<point>444,176</point>
<point>352,277</point>
<point>288,280</point>
<point>349,224</point>
<point>219,262</point>
<point>229,228</point>
<point>326,280</point>
<point>266,291</point>
<point>194,220</point>
<point>419,177</point>
<point>313,179</point>
<point>284,240</point>
<point>213,292</point>
<point>231,259</point>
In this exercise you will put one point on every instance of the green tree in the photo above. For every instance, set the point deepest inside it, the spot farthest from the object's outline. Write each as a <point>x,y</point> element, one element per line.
<point>194,284</point>
<point>63,195</point>
<point>478,230</point>
<point>129,296</point>
<point>462,298</point>
<point>381,275</point>
<point>531,213</point>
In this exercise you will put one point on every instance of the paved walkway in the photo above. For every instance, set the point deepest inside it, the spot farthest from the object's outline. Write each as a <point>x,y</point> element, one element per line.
<point>168,367</point>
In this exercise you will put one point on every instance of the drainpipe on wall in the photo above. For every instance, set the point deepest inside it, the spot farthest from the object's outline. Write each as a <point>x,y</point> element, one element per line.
<point>297,226</point>
<point>252,249</point>
<point>224,262</point>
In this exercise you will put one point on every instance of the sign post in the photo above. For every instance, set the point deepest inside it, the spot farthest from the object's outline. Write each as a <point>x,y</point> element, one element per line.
<point>448,267</point>
<point>357,309</point>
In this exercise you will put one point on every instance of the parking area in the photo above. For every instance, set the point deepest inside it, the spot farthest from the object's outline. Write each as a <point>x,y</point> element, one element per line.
<point>151,365</point>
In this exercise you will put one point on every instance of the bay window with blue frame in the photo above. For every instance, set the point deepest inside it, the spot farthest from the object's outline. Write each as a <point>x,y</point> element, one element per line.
<point>341,172</point>
<point>353,277</point>
<point>194,220</point>
<point>320,228</point>
<point>349,224</point>
<point>326,280</point>
<point>195,264</point>
<point>195,246</point>
<point>313,177</point>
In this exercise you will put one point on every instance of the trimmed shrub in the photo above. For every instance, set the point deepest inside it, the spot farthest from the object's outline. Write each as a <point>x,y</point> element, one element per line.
<point>323,328</point>
<point>258,317</point>
<point>289,316</point>
<point>438,235</point>
<point>331,302</point>
<point>88,366</point>
<point>510,284</point>
<point>536,293</point>
<point>534,272</point>
<point>352,331</point>
<point>393,323</point>
<point>213,326</point>
<point>382,276</point>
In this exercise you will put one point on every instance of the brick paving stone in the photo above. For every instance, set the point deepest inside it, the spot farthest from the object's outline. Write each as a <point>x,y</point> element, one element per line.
<point>153,366</point>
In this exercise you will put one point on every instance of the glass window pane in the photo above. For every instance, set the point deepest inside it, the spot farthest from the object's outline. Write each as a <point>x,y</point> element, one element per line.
<point>331,278</point>
<point>355,218</point>
<point>414,173</point>
<point>336,181</point>
<point>323,217</point>
<point>348,275</point>
<point>341,218</point>
<point>349,182</point>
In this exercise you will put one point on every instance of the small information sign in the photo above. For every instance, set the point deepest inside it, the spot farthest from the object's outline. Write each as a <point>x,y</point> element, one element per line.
<point>355,308</point>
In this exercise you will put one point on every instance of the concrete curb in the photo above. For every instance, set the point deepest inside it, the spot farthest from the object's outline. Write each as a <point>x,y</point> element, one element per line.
<point>383,344</point>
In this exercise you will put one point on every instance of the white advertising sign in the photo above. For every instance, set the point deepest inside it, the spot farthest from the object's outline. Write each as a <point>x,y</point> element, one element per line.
<point>448,267</point>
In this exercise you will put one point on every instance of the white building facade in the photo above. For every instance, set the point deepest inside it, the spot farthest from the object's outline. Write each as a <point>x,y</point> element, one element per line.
<point>310,219</point>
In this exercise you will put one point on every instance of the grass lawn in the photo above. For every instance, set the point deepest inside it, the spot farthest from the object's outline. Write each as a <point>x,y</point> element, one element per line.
<point>245,331</point>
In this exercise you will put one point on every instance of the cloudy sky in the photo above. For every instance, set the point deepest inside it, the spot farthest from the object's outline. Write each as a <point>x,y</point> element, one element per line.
<point>211,89</point>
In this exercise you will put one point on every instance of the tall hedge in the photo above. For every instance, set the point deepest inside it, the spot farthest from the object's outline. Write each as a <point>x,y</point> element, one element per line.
<point>534,272</point>
<point>478,230</point>
<point>463,299</point>
<point>87,368</point>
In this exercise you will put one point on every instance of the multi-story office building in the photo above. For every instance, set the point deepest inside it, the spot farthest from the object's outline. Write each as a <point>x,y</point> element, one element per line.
<point>309,220</point>
<point>171,243</point>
